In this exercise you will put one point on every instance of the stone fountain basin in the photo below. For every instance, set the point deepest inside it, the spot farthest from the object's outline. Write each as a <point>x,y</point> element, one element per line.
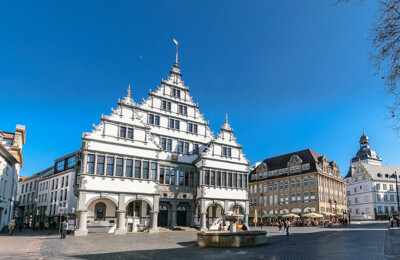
<point>227,239</point>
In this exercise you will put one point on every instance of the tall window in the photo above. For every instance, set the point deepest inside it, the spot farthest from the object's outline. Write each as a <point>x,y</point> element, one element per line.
<point>305,181</point>
<point>240,184</point>
<point>191,179</point>
<point>180,147</point>
<point>90,163</point>
<point>110,166</point>
<point>167,176</point>
<point>186,148</point>
<point>145,170</point>
<point>118,168</point>
<point>207,177</point>
<point>62,182</point>
<point>56,183</point>
<point>195,129</point>
<point>169,145</point>
<point>154,170</point>
<point>162,175</point>
<point>137,169</point>
<point>65,194</point>
<point>66,181</point>
<point>171,123</point>
<point>173,182</point>
<point>177,124</point>
<point>311,180</point>
<point>130,133</point>
<point>196,149</point>
<point>218,178</point>
<point>212,177</point>
<point>151,119</point>
<point>164,143</point>
<point>100,165</point>
<point>71,161</point>
<point>223,178</point>
<point>100,211</point>
<point>230,179</point>
<point>298,182</point>
<point>181,180</point>
<point>128,168</point>
<point>122,131</point>
<point>61,195</point>
<point>234,180</point>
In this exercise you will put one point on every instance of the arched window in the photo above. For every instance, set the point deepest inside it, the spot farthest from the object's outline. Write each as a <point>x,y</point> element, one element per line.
<point>181,208</point>
<point>100,211</point>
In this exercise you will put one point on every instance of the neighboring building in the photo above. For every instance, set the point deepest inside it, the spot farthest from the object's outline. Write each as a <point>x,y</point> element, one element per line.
<point>298,182</point>
<point>27,197</point>
<point>41,194</point>
<point>56,189</point>
<point>371,189</point>
<point>158,164</point>
<point>11,160</point>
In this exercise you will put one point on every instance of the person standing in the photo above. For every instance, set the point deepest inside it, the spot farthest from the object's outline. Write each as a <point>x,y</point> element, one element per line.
<point>64,228</point>
<point>391,221</point>
<point>11,227</point>
<point>287,227</point>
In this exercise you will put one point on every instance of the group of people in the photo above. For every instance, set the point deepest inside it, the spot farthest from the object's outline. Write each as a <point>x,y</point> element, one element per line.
<point>283,224</point>
<point>394,220</point>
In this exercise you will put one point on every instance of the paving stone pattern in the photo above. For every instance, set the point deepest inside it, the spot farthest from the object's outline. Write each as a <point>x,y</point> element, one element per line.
<point>359,241</point>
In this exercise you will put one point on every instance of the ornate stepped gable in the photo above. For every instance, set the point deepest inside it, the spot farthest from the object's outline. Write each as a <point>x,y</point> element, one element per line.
<point>131,114</point>
<point>224,138</point>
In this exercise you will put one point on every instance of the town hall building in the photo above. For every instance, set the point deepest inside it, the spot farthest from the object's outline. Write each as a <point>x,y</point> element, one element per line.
<point>157,163</point>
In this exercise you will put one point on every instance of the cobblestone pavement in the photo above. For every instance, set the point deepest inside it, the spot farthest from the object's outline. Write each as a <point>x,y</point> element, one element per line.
<point>23,245</point>
<point>359,241</point>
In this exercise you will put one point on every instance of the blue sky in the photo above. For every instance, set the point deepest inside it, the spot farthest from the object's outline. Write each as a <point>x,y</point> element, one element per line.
<point>290,74</point>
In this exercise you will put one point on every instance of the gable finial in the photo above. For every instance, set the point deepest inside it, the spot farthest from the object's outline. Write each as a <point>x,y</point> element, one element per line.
<point>226,118</point>
<point>176,55</point>
<point>129,90</point>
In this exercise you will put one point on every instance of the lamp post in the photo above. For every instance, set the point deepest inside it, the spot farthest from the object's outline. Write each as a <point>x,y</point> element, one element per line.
<point>261,206</point>
<point>394,175</point>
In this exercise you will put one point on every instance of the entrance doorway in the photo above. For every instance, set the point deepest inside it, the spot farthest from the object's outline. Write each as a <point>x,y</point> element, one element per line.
<point>181,216</point>
<point>163,216</point>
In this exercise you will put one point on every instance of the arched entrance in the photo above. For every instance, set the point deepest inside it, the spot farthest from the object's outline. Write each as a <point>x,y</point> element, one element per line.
<point>214,211</point>
<point>181,216</point>
<point>162,216</point>
<point>138,216</point>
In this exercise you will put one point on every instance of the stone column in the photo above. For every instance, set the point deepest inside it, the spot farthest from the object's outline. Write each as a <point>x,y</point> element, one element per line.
<point>121,229</point>
<point>174,217</point>
<point>153,223</point>
<point>82,223</point>
<point>203,225</point>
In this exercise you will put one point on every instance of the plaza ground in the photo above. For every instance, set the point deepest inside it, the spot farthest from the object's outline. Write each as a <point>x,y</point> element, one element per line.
<point>366,240</point>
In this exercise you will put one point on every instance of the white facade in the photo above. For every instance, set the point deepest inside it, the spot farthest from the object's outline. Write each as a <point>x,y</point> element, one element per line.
<point>158,164</point>
<point>27,197</point>
<point>8,185</point>
<point>370,186</point>
<point>11,160</point>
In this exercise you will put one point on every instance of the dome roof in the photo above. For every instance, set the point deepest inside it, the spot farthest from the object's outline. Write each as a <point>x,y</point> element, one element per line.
<point>365,152</point>
<point>364,138</point>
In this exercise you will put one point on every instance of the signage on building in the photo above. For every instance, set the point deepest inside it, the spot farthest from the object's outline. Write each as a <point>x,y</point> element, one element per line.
<point>61,210</point>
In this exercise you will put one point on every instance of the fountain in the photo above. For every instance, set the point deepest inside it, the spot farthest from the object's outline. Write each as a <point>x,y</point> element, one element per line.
<point>233,238</point>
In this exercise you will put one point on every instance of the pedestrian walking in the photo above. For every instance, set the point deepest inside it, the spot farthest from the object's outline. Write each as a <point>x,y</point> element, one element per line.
<point>64,227</point>
<point>36,226</point>
<point>397,221</point>
<point>391,222</point>
<point>287,227</point>
<point>279,224</point>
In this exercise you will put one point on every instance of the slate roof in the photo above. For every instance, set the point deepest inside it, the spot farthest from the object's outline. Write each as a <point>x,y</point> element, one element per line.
<point>373,170</point>
<point>281,161</point>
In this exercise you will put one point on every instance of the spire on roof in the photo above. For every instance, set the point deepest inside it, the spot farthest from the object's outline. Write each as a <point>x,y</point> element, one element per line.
<point>128,100</point>
<point>226,126</point>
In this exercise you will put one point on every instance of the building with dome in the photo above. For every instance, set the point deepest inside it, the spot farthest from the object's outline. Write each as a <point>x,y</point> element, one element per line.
<point>370,186</point>
<point>157,163</point>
